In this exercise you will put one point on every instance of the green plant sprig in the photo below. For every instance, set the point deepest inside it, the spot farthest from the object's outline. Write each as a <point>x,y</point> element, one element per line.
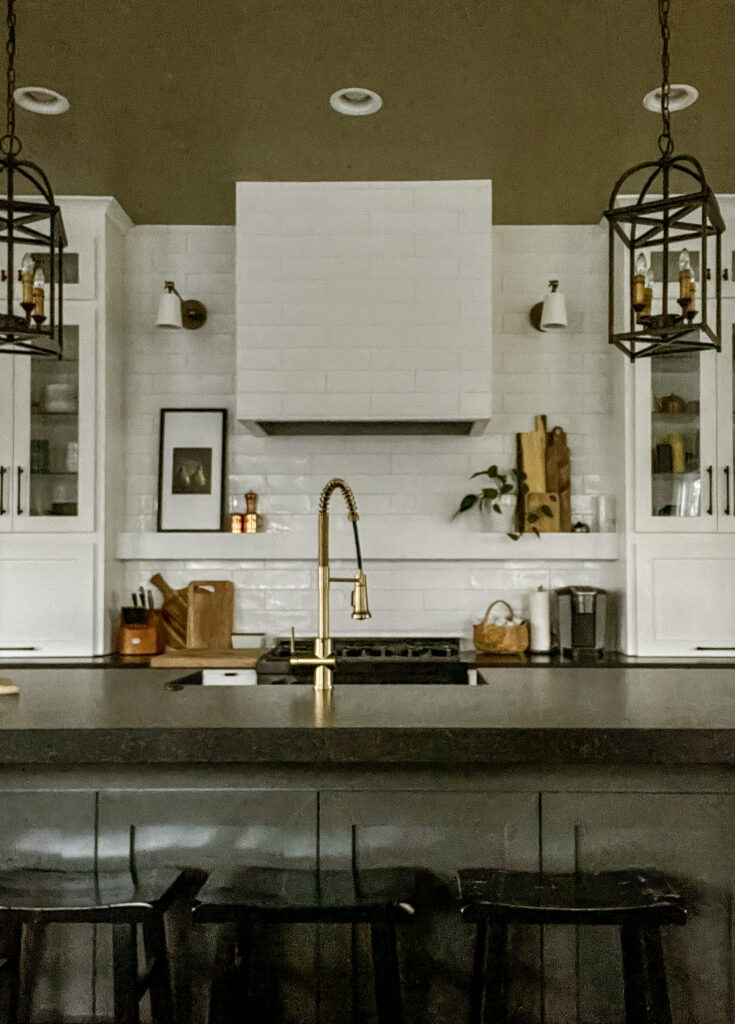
<point>500,485</point>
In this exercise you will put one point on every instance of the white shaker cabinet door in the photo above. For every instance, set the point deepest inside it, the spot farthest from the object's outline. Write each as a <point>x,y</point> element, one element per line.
<point>685,595</point>
<point>47,590</point>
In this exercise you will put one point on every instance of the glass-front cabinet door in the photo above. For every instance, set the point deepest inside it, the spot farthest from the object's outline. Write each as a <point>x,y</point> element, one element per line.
<point>726,421</point>
<point>52,474</point>
<point>676,443</point>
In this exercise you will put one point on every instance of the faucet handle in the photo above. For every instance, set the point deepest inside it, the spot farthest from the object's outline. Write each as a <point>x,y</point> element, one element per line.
<point>293,640</point>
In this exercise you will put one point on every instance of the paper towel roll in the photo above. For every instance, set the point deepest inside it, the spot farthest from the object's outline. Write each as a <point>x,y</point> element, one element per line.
<point>540,621</point>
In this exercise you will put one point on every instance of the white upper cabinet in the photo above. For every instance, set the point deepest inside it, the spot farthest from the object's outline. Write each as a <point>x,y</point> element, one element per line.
<point>60,422</point>
<point>364,306</point>
<point>47,472</point>
<point>683,439</point>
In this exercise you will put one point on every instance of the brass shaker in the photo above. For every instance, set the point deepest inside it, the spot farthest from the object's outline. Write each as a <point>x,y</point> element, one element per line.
<point>252,521</point>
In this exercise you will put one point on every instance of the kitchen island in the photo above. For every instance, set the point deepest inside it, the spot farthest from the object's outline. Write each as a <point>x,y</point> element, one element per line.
<point>647,716</point>
<point>545,768</point>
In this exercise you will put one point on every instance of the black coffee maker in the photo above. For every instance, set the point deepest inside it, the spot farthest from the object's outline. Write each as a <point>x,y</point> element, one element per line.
<point>582,621</point>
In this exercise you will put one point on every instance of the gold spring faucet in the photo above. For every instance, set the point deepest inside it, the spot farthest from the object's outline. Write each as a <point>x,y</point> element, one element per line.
<point>323,658</point>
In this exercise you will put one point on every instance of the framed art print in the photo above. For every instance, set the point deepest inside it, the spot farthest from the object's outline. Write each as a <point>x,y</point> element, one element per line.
<point>191,469</point>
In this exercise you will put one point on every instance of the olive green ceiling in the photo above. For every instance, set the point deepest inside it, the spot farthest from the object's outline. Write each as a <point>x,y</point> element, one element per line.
<point>173,101</point>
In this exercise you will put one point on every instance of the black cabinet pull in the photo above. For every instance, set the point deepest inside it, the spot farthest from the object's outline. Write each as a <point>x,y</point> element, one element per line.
<point>709,474</point>
<point>18,507</point>
<point>3,510</point>
<point>727,490</point>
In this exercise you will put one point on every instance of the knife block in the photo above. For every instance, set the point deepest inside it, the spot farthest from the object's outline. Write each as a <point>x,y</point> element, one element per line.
<point>139,631</point>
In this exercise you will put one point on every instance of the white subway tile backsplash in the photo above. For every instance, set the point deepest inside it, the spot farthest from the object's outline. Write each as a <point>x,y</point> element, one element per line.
<point>568,378</point>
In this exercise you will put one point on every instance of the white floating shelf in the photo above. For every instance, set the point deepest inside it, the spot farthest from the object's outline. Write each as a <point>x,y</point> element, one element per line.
<point>417,540</point>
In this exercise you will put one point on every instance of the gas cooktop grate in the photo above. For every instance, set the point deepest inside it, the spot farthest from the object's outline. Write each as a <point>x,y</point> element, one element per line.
<point>379,648</point>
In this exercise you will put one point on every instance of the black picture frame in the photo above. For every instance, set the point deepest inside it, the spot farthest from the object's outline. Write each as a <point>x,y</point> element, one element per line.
<point>192,458</point>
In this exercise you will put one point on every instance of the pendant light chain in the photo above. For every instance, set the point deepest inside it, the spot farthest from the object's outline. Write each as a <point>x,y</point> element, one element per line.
<point>10,143</point>
<point>665,142</point>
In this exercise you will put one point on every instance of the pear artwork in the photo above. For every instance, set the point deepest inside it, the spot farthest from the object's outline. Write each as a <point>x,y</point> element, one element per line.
<point>191,471</point>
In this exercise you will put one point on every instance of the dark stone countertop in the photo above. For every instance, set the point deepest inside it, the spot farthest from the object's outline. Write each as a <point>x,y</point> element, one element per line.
<point>548,716</point>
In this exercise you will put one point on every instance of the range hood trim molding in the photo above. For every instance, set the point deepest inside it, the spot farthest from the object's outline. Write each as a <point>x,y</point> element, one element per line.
<point>365,427</point>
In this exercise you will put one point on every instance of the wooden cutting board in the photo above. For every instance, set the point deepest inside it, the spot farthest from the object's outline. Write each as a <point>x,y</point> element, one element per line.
<point>243,657</point>
<point>558,476</point>
<point>532,448</point>
<point>173,613</point>
<point>544,524</point>
<point>209,614</point>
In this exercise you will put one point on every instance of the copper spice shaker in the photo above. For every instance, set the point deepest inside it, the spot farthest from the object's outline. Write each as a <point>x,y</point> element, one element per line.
<point>252,521</point>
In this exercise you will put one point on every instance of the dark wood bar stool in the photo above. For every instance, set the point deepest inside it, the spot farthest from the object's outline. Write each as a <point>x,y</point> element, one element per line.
<point>379,898</point>
<point>35,897</point>
<point>636,902</point>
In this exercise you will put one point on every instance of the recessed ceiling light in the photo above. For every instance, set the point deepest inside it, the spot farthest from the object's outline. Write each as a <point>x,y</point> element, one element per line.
<point>41,100</point>
<point>680,96</point>
<point>355,101</point>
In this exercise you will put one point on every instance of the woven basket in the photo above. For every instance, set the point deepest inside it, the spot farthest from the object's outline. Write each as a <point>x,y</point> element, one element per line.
<point>500,639</point>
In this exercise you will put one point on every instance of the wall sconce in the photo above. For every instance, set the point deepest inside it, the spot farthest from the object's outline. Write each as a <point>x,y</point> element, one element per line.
<point>173,311</point>
<point>551,314</point>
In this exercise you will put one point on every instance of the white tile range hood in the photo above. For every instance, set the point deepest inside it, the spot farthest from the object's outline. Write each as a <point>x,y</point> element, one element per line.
<point>364,307</point>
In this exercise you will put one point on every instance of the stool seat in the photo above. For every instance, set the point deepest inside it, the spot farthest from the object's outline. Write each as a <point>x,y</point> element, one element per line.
<point>607,897</point>
<point>31,895</point>
<point>303,896</point>
<point>121,899</point>
<point>270,896</point>
<point>636,902</point>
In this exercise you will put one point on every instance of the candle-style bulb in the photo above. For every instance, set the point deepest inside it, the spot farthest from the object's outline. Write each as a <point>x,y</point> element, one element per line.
<point>639,279</point>
<point>685,279</point>
<point>647,293</point>
<point>26,278</point>
<point>39,280</point>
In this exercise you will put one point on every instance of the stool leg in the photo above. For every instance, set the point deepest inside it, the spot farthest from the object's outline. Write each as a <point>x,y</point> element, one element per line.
<point>477,984</point>
<point>154,941</point>
<point>496,1003</point>
<point>660,1007</point>
<point>634,974</point>
<point>388,1000</point>
<point>10,972</point>
<point>125,971</point>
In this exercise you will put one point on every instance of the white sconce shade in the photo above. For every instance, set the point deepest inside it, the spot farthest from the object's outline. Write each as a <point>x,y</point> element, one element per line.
<point>173,311</point>
<point>551,314</point>
<point>169,310</point>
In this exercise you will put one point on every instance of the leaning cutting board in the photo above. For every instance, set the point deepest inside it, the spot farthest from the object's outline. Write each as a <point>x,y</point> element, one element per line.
<point>532,451</point>
<point>209,614</point>
<point>173,612</point>
<point>558,476</point>
<point>544,523</point>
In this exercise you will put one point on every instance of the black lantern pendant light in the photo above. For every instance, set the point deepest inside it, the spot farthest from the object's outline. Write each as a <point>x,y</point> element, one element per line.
<point>672,236</point>
<point>32,241</point>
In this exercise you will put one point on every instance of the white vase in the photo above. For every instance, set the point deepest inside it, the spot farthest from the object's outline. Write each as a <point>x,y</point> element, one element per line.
<point>499,522</point>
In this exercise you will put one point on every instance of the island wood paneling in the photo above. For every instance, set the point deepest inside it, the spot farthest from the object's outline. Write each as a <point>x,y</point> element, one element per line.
<point>439,831</point>
<point>691,837</point>
<point>204,828</point>
<point>51,830</point>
